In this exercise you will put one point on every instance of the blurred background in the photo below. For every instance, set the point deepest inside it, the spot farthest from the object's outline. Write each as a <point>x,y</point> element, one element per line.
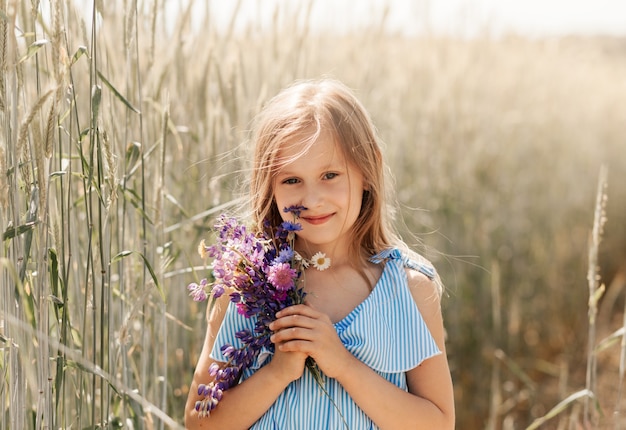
<point>534,18</point>
<point>124,129</point>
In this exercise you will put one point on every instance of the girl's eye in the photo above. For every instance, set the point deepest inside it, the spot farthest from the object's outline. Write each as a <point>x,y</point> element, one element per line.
<point>290,181</point>
<point>330,175</point>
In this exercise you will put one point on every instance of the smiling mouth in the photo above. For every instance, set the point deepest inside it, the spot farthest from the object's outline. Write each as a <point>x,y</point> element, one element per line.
<point>316,220</point>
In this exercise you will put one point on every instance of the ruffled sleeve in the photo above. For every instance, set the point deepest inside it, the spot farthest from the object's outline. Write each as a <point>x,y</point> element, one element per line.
<point>423,266</point>
<point>387,331</point>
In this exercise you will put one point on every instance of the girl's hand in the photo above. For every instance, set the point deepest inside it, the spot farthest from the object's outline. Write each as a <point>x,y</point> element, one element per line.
<point>302,329</point>
<point>288,364</point>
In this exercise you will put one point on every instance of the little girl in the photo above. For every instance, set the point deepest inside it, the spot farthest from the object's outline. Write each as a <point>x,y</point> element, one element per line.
<point>372,319</point>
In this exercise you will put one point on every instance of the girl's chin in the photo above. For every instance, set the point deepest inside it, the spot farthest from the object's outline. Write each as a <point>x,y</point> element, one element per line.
<point>318,243</point>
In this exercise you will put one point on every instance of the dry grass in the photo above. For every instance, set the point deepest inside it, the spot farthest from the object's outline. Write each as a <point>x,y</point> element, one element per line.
<point>113,140</point>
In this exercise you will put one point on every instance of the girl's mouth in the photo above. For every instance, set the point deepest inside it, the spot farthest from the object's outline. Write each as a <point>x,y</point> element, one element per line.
<point>317,220</point>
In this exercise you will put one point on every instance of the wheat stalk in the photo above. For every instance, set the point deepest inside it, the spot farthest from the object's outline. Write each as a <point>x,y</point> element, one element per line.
<point>595,290</point>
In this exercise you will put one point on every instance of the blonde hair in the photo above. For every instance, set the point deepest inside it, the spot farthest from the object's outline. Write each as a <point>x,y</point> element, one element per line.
<point>308,108</point>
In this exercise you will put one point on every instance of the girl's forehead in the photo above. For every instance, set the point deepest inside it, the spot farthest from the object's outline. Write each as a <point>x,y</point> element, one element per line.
<point>324,147</point>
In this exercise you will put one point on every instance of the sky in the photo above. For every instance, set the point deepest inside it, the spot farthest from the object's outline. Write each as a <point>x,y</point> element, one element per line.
<point>458,17</point>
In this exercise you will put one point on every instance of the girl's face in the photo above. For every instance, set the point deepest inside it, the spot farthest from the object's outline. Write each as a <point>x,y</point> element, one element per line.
<point>328,187</point>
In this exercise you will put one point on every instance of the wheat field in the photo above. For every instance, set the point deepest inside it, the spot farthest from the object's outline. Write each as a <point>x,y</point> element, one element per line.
<point>123,133</point>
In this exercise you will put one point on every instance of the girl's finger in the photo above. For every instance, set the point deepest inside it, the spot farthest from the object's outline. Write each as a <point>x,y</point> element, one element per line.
<point>296,346</point>
<point>293,320</point>
<point>297,309</point>
<point>290,334</point>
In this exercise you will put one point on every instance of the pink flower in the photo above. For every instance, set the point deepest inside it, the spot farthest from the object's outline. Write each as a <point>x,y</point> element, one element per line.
<point>282,276</point>
<point>241,309</point>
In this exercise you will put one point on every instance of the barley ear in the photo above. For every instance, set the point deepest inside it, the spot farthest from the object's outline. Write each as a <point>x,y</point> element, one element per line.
<point>23,130</point>
<point>56,41</point>
<point>111,169</point>
<point>51,124</point>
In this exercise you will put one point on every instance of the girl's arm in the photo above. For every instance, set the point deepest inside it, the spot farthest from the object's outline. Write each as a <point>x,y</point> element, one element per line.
<point>236,409</point>
<point>429,403</point>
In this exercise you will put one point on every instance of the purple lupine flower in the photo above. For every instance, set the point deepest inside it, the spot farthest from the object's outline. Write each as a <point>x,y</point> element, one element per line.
<point>197,291</point>
<point>227,350</point>
<point>217,291</point>
<point>213,368</point>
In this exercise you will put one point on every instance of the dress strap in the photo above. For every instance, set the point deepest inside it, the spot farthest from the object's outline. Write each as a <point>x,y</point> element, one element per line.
<point>394,254</point>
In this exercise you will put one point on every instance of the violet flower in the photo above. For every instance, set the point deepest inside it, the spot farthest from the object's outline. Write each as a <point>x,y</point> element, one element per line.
<point>197,291</point>
<point>296,210</point>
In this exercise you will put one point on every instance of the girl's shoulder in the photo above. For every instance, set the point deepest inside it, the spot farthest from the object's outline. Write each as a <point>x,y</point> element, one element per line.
<point>421,274</point>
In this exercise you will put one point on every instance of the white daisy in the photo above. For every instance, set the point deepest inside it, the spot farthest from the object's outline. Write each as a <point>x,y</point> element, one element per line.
<point>320,261</point>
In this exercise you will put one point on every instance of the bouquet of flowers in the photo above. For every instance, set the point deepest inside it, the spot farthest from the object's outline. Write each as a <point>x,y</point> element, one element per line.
<point>262,272</point>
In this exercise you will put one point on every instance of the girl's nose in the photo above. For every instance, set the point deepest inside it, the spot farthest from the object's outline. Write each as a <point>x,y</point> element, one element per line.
<point>312,197</point>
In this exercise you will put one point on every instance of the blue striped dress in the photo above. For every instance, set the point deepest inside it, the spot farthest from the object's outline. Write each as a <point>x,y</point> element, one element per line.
<point>385,331</point>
